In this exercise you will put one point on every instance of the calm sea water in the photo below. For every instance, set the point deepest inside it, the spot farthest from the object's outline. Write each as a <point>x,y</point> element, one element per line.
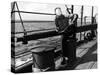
<point>36,26</point>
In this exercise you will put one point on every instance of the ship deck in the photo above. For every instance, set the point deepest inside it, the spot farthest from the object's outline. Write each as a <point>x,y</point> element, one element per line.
<point>86,57</point>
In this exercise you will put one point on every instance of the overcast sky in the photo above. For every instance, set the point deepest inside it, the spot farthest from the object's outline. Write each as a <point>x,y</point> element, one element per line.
<point>47,8</point>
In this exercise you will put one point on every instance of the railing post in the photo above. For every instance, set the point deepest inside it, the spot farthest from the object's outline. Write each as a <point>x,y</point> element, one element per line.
<point>81,21</point>
<point>72,9</point>
<point>92,18</point>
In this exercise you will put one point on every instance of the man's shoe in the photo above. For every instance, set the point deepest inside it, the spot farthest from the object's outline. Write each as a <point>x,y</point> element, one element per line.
<point>62,65</point>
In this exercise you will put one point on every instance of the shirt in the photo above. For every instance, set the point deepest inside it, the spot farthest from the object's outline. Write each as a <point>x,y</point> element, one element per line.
<point>61,22</point>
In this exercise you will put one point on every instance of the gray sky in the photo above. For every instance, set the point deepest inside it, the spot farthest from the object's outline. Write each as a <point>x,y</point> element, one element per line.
<point>47,8</point>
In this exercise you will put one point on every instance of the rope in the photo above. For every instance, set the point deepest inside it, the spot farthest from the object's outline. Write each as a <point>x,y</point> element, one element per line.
<point>20,17</point>
<point>35,13</point>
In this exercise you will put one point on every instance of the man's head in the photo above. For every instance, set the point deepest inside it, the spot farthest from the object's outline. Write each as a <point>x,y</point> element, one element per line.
<point>58,11</point>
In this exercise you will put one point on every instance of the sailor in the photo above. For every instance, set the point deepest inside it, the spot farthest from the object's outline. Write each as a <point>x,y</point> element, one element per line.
<point>60,26</point>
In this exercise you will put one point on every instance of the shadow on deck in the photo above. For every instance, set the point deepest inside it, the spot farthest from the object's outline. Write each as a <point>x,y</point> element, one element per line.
<point>87,61</point>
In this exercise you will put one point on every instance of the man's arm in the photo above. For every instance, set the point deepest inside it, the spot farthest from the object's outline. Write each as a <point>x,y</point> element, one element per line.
<point>57,28</point>
<point>75,17</point>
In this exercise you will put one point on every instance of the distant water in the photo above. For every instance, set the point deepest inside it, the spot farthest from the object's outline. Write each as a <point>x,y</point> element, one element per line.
<point>36,26</point>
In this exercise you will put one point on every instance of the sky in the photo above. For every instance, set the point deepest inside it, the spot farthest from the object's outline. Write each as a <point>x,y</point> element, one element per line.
<point>48,8</point>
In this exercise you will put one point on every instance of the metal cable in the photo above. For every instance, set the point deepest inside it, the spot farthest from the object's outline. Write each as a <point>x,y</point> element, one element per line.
<point>20,17</point>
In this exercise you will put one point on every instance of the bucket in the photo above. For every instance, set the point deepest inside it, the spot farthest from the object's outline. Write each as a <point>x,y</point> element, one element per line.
<point>43,58</point>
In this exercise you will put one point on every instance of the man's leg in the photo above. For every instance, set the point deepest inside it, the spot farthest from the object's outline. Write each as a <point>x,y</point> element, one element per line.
<point>71,45</point>
<point>63,49</point>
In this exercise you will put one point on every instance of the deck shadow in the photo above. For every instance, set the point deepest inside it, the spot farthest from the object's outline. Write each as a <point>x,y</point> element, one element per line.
<point>88,57</point>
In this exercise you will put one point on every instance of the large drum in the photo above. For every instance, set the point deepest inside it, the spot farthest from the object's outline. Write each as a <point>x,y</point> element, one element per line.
<point>43,58</point>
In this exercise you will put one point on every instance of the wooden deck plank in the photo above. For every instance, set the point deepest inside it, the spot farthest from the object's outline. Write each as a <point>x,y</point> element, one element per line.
<point>89,59</point>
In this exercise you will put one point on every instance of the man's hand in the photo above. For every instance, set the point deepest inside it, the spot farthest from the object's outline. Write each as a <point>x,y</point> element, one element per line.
<point>70,23</point>
<point>56,30</point>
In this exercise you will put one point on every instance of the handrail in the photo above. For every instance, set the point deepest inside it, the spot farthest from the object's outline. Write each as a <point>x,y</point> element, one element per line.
<point>20,16</point>
<point>34,13</point>
<point>54,33</point>
<point>29,21</point>
<point>31,31</point>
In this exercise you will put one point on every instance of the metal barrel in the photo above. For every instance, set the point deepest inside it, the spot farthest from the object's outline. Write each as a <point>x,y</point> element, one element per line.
<point>43,58</point>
